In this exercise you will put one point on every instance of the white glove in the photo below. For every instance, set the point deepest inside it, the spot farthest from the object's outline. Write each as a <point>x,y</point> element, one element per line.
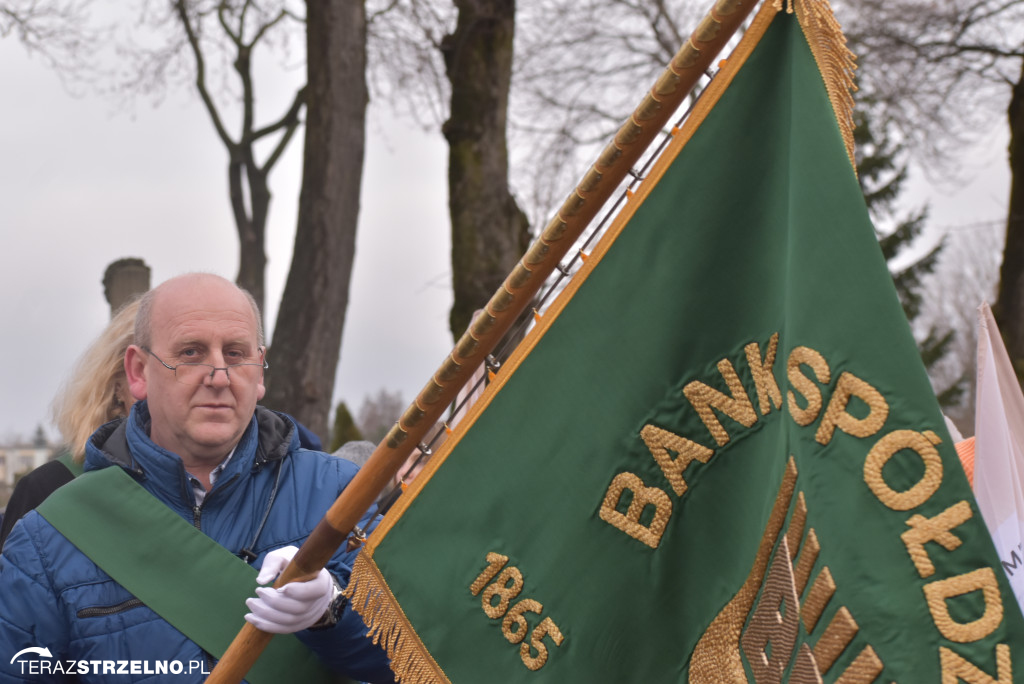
<point>293,607</point>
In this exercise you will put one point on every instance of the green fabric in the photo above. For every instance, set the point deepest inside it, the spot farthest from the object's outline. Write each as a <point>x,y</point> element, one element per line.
<point>758,227</point>
<point>70,463</point>
<point>195,584</point>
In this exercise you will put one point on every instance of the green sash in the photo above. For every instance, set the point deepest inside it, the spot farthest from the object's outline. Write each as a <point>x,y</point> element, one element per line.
<point>191,581</point>
<point>71,464</point>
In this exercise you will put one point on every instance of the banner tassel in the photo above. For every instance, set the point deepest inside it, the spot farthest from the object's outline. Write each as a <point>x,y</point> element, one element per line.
<point>388,626</point>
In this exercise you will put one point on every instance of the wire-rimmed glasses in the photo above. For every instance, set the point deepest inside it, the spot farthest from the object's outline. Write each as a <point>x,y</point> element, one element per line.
<point>189,373</point>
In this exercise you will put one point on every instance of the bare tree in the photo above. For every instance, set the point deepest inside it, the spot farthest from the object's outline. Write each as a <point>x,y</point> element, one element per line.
<point>310,321</point>
<point>214,44</point>
<point>489,231</point>
<point>964,277</point>
<point>461,53</point>
<point>60,32</point>
<point>578,70</point>
<point>941,71</point>
<point>378,413</point>
<point>582,66</point>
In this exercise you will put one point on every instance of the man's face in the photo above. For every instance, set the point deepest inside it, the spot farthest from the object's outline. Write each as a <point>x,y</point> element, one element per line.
<point>199,319</point>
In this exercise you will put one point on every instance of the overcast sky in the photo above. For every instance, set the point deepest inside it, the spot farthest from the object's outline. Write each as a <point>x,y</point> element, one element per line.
<point>83,184</point>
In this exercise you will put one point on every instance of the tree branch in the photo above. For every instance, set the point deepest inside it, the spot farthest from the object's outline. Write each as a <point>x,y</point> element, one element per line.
<point>204,94</point>
<point>290,121</point>
<point>266,27</point>
<point>222,12</point>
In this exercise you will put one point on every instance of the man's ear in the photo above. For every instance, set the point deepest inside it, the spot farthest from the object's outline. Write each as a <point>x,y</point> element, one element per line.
<point>135,371</point>
<point>261,389</point>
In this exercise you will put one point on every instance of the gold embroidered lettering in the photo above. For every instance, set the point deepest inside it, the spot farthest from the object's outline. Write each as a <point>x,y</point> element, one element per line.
<point>661,442</point>
<point>864,669</point>
<point>955,668</point>
<point>836,415</point>
<point>808,556</point>
<point>821,593</point>
<point>938,530</point>
<point>514,627</point>
<point>546,628</point>
<point>705,398</point>
<point>495,562</point>
<point>643,496</point>
<point>770,639</point>
<point>717,656</point>
<point>514,618</point>
<point>837,637</point>
<point>805,670</point>
<point>805,356</point>
<point>764,379</point>
<point>795,531</point>
<point>885,449</point>
<point>939,591</point>
<point>506,587</point>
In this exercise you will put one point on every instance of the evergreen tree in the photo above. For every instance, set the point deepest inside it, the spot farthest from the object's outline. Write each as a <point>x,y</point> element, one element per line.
<point>882,173</point>
<point>344,428</point>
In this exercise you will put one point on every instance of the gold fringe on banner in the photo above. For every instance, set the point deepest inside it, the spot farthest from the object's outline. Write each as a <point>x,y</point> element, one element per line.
<point>836,62</point>
<point>370,596</point>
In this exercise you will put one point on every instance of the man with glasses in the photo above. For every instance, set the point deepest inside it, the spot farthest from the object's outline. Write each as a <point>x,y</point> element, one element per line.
<point>197,442</point>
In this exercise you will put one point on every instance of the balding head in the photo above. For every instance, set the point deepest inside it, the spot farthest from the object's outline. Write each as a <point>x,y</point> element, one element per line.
<point>144,317</point>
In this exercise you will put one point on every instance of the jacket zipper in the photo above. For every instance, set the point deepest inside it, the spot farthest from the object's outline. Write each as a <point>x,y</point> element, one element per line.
<point>197,509</point>
<point>101,611</point>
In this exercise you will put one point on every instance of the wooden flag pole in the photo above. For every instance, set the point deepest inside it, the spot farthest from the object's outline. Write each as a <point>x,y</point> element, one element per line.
<point>489,326</point>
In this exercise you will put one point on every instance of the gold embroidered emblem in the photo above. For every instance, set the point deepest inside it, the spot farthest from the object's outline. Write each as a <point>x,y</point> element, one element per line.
<point>761,625</point>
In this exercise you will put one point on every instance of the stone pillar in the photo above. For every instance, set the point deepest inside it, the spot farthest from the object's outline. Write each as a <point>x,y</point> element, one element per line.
<point>124,279</point>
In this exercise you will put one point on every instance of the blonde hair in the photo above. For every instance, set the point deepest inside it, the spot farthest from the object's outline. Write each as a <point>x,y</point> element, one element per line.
<point>94,392</point>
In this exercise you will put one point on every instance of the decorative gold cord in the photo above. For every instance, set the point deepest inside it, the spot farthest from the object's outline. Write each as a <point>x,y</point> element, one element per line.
<point>836,62</point>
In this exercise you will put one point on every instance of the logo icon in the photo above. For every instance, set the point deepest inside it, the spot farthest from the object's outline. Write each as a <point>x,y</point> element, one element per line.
<point>41,652</point>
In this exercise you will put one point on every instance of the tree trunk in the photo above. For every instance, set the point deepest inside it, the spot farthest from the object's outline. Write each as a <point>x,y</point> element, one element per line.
<point>252,230</point>
<point>1009,308</point>
<point>489,231</point>
<point>307,335</point>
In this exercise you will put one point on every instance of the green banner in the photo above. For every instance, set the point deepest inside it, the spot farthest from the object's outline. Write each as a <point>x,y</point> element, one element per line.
<point>718,458</point>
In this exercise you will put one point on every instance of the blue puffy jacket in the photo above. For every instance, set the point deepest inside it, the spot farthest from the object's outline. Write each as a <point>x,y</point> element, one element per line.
<point>52,596</point>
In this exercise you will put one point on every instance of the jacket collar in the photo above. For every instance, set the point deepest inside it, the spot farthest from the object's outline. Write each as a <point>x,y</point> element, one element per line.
<point>126,443</point>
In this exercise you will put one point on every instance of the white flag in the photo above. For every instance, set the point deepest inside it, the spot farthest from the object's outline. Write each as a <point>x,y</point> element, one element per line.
<point>999,449</point>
